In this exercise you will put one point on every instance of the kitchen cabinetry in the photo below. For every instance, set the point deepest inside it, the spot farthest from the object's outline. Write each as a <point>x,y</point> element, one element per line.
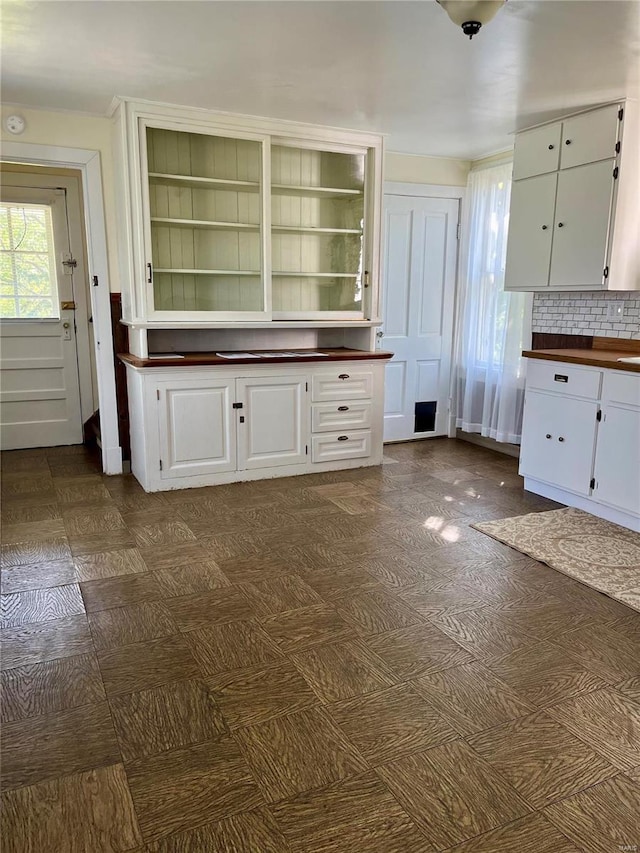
<point>574,218</point>
<point>581,439</point>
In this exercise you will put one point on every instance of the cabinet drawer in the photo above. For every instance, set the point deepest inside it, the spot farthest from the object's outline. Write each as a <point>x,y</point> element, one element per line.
<point>340,445</point>
<point>329,417</point>
<point>621,388</point>
<point>564,379</point>
<point>343,384</point>
<point>536,151</point>
<point>589,137</point>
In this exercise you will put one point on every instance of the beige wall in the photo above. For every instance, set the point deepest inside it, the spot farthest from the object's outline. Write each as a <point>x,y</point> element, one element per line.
<point>413,169</point>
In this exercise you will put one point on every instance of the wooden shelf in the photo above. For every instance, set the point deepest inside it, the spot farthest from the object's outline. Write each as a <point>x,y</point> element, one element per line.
<point>328,192</point>
<point>316,274</point>
<point>206,272</point>
<point>204,224</point>
<point>311,229</point>
<point>204,183</point>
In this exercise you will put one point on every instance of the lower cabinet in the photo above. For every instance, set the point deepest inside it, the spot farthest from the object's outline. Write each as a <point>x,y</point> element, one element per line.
<point>201,426</point>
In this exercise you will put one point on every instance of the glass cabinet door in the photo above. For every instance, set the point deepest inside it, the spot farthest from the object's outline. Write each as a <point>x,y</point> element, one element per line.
<point>317,232</point>
<point>205,224</point>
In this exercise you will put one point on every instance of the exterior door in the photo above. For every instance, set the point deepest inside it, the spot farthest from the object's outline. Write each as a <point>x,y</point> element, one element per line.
<point>420,254</point>
<point>197,435</point>
<point>272,423</point>
<point>40,400</point>
<point>530,232</point>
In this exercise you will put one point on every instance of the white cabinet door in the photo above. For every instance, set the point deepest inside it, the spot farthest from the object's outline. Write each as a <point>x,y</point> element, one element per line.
<point>589,137</point>
<point>530,232</point>
<point>558,438</point>
<point>272,424</point>
<point>583,209</point>
<point>617,471</point>
<point>536,151</point>
<point>196,430</point>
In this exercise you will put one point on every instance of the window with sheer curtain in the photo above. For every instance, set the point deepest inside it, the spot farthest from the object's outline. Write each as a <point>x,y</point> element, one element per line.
<point>493,327</point>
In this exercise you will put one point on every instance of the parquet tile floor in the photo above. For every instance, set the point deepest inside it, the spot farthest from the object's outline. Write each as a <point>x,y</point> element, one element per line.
<point>334,663</point>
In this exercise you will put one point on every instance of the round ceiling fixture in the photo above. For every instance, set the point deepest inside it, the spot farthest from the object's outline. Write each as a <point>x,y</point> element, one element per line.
<point>470,15</point>
<point>15,124</point>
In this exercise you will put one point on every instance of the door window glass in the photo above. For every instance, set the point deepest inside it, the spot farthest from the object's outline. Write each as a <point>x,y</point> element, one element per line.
<point>28,285</point>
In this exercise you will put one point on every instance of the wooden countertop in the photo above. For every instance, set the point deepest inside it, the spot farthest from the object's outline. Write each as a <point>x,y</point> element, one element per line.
<point>210,359</point>
<point>591,357</point>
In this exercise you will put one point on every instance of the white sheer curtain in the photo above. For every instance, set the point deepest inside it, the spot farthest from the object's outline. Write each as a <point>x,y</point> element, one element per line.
<point>492,326</point>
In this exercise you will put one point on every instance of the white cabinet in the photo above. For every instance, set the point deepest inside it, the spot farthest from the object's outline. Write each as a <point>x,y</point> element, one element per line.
<point>574,221</point>
<point>272,425</point>
<point>581,439</point>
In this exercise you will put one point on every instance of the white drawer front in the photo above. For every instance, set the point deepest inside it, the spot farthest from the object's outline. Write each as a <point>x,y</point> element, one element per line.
<point>344,384</point>
<point>564,379</point>
<point>340,445</point>
<point>621,388</point>
<point>329,417</point>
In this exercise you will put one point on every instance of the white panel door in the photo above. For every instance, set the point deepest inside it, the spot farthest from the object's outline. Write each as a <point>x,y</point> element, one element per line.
<point>40,399</point>
<point>272,423</point>
<point>420,254</point>
<point>617,471</point>
<point>530,232</point>
<point>583,208</point>
<point>197,434</point>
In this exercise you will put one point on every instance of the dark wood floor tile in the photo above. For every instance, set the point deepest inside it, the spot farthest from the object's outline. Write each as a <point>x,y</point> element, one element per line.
<point>298,752</point>
<point>601,819</point>
<point>229,546</point>
<point>204,609</point>
<point>162,533</point>
<point>415,651</point>
<point>442,596</point>
<point>629,626</point>
<point>231,646</point>
<point>396,572</point>
<point>121,591</point>
<point>297,630</point>
<point>336,582</point>
<point>543,674</point>
<point>252,696</point>
<point>250,832</point>
<point>41,641</point>
<point>606,720</point>
<point>23,483</point>
<point>44,688</point>
<point>452,794</point>
<point>630,687</point>
<point>170,556</point>
<point>109,564</point>
<point>256,568</point>
<point>40,748</point>
<point>376,611</point>
<point>341,670</point>
<point>315,555</point>
<point>391,723</point>
<point>545,619</point>
<point>277,595</point>
<point>90,811</point>
<point>138,623</point>
<point>81,490</point>
<point>164,718</point>
<point>484,632</point>
<point>145,665</point>
<point>190,787</point>
<point>600,606</point>
<point>40,605</point>
<point>353,816</point>
<point>602,650</point>
<point>33,531</point>
<point>96,543</point>
<point>17,514</point>
<point>79,521</point>
<point>35,551</point>
<point>188,580</point>
<point>531,834</point>
<point>38,576</point>
<point>471,698</point>
<point>541,759</point>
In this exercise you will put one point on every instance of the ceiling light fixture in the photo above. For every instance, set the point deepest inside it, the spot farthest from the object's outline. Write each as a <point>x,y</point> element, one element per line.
<point>471,14</point>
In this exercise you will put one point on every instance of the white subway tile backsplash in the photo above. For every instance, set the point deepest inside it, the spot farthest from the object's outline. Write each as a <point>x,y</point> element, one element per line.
<point>586,314</point>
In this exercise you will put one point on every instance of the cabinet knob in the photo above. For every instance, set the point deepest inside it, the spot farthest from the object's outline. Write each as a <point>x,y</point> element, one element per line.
<point>560,224</point>
<point>548,435</point>
<point>560,438</point>
<point>343,376</point>
<point>544,227</point>
<point>567,142</point>
<point>551,147</point>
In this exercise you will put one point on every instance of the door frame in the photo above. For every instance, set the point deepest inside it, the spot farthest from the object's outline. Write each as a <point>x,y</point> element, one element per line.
<point>87,161</point>
<point>438,191</point>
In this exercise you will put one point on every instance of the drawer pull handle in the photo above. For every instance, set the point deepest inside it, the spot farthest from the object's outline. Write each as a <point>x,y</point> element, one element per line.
<point>343,408</point>
<point>343,438</point>
<point>343,376</point>
<point>560,438</point>
<point>560,377</point>
<point>548,435</point>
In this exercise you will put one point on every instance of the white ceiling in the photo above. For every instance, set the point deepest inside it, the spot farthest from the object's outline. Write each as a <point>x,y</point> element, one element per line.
<point>398,67</point>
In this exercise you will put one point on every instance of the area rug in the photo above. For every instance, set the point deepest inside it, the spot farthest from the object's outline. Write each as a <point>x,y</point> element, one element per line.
<point>595,552</point>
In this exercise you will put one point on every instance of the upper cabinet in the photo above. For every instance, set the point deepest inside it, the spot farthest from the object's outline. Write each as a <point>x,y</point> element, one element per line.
<point>574,217</point>
<point>234,219</point>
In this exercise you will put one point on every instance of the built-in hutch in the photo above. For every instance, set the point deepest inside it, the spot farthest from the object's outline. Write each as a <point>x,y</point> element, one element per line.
<point>255,236</point>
